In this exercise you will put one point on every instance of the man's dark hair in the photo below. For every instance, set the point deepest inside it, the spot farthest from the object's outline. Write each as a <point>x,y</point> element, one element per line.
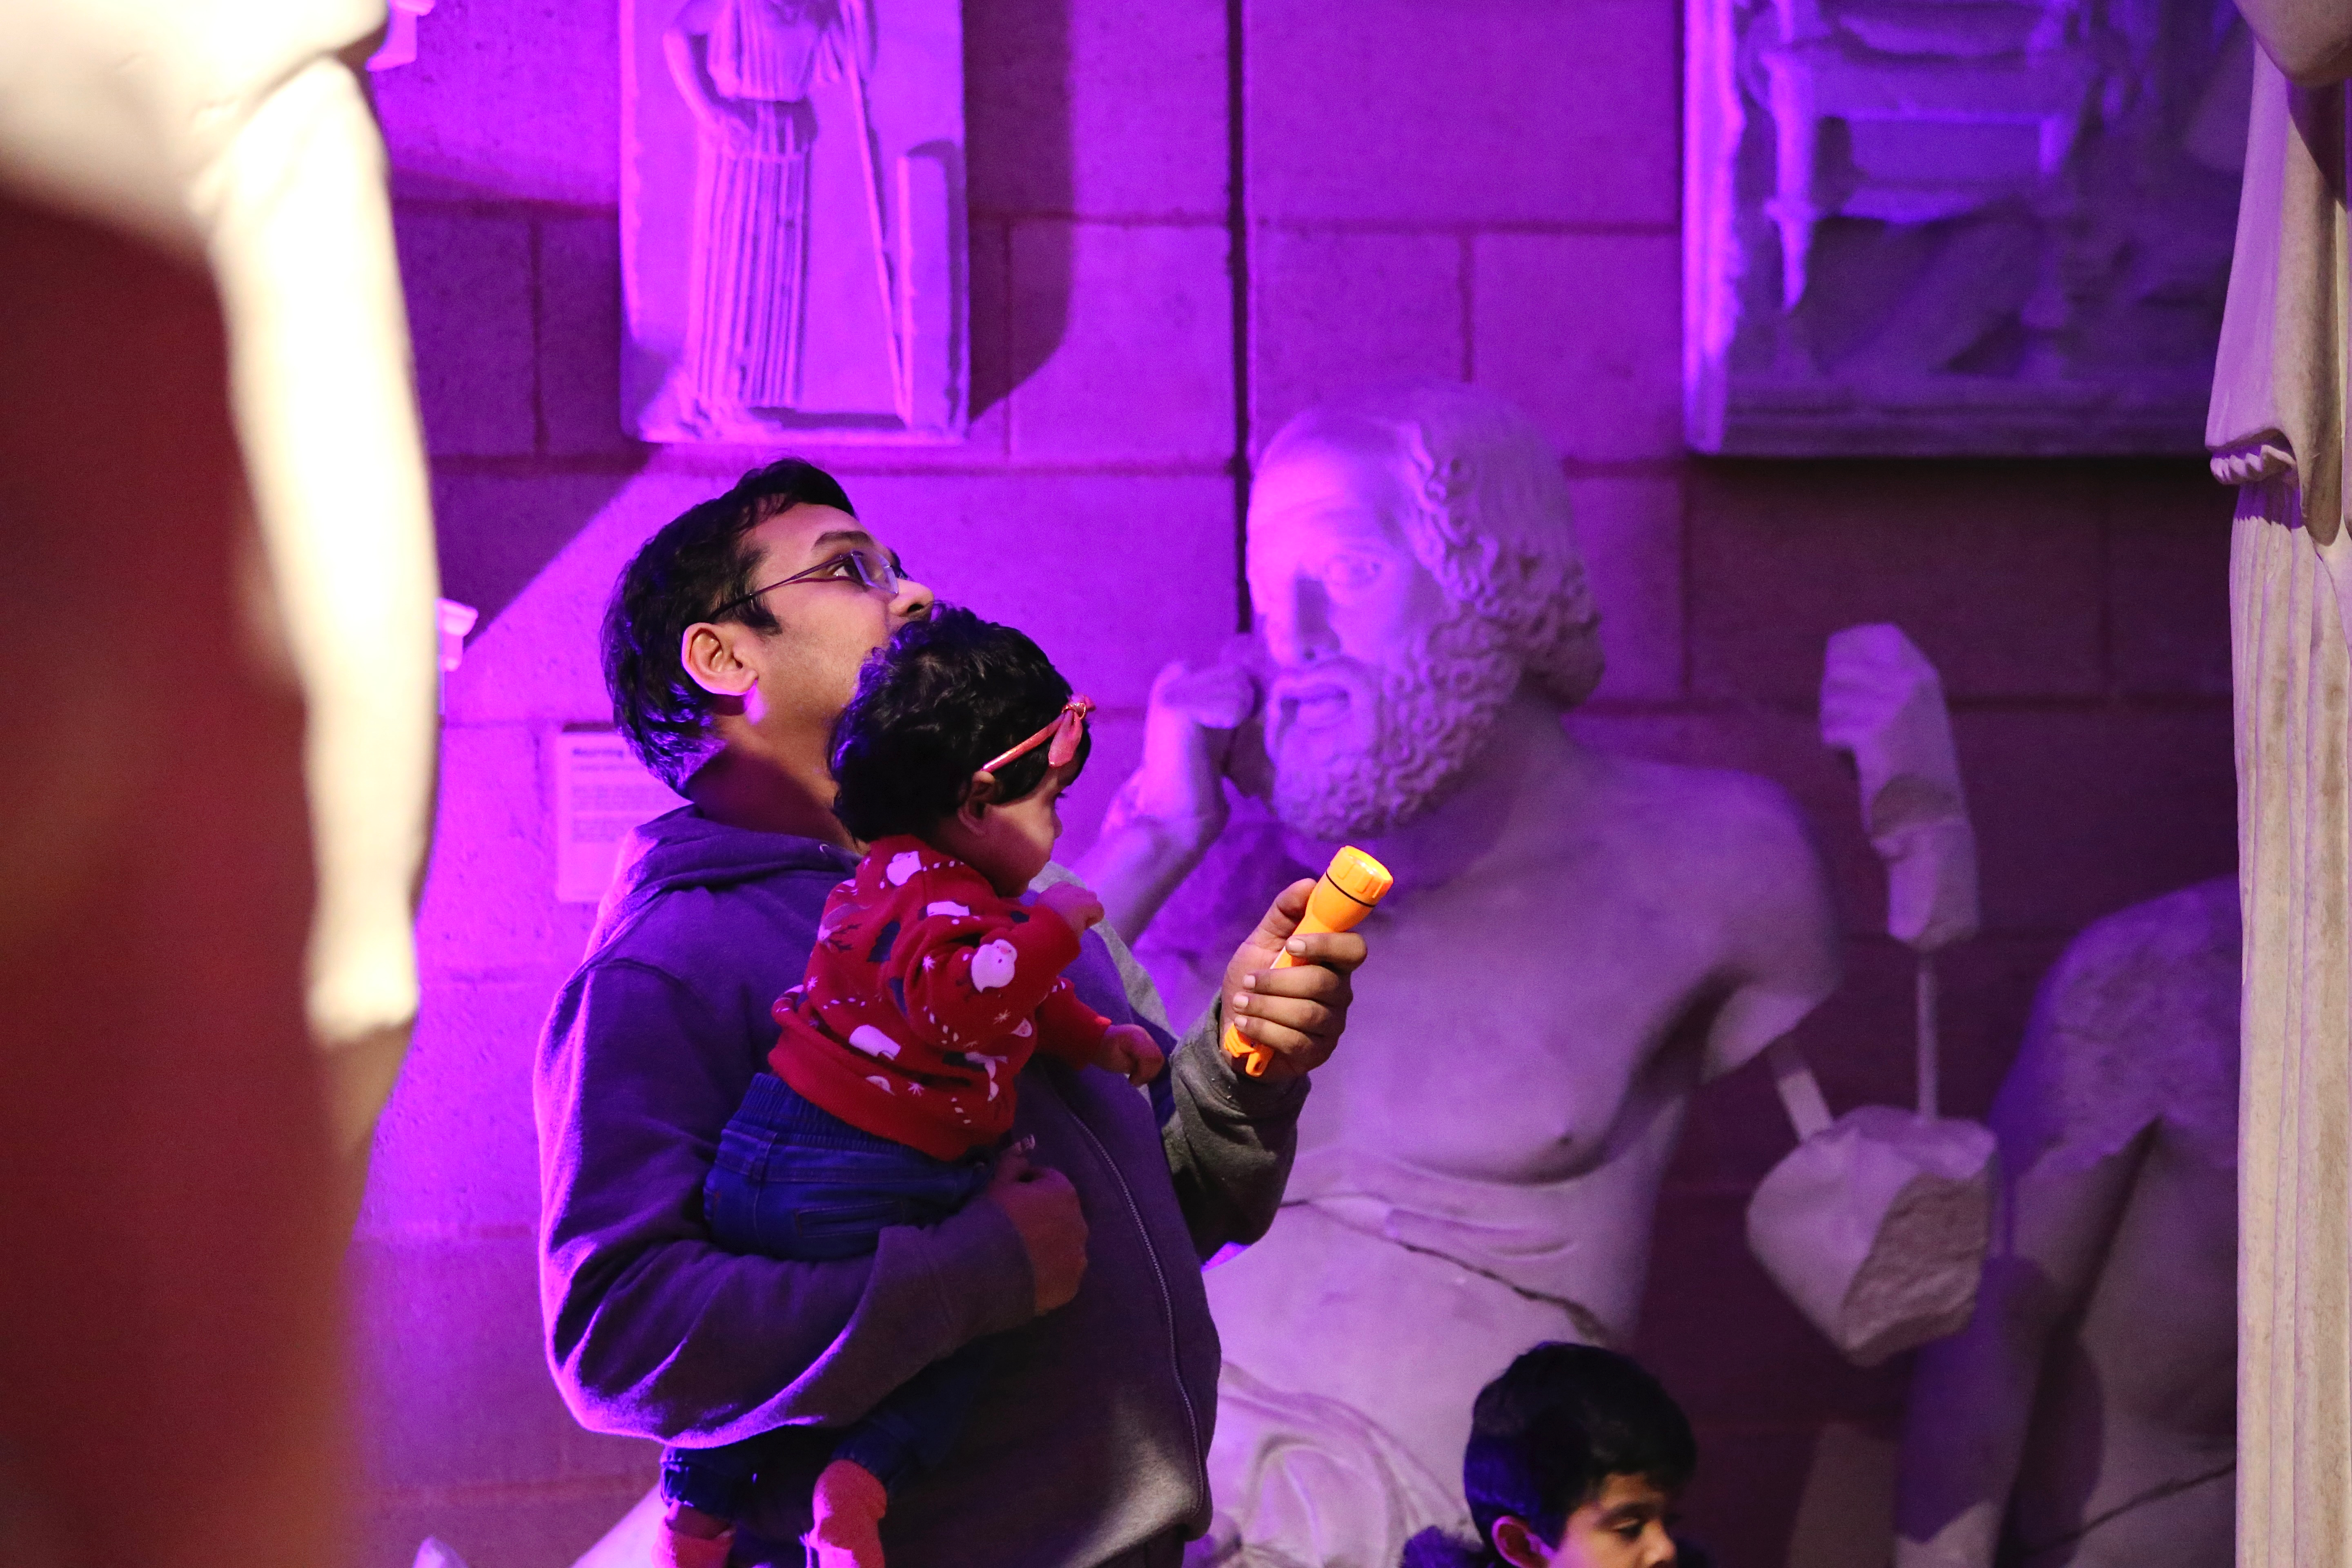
<point>940,698</point>
<point>681,576</point>
<point>1547,1433</point>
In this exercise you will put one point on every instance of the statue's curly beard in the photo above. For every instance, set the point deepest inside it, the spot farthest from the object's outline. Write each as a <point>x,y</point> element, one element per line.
<point>1436,709</point>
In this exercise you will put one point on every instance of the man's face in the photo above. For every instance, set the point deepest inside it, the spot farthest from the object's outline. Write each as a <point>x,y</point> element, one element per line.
<point>1383,689</point>
<point>807,671</point>
<point>1623,1527</point>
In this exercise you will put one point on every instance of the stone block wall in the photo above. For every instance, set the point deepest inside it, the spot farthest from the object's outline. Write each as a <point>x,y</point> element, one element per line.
<point>1487,190</point>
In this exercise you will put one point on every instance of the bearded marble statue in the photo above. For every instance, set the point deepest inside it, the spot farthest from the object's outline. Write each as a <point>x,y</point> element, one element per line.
<point>1576,941</point>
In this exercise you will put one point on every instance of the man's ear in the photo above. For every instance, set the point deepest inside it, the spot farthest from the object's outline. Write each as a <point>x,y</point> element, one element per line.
<point>1518,1545</point>
<point>712,653</point>
<point>979,795</point>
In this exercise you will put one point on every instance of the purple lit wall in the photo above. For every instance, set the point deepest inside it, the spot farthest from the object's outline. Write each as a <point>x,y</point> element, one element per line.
<point>1487,188</point>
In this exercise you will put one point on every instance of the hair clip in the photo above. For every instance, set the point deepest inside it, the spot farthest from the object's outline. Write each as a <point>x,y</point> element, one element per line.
<point>1069,728</point>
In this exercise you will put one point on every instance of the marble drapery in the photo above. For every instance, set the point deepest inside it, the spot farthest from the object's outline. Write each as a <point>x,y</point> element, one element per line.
<point>2277,430</point>
<point>2295,1260</point>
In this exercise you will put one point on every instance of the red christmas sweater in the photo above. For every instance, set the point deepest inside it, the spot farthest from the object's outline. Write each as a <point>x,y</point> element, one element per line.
<point>925,996</point>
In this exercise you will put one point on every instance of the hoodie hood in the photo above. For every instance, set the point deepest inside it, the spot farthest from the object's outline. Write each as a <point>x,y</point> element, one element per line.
<point>684,849</point>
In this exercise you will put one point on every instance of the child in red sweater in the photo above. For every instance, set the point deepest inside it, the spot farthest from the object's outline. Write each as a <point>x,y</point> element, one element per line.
<point>933,981</point>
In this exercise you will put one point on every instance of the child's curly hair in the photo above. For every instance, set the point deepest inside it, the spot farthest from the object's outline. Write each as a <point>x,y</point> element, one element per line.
<point>933,703</point>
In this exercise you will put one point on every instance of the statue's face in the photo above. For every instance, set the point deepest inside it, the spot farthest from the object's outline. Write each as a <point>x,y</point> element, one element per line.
<point>1383,688</point>
<point>1339,595</point>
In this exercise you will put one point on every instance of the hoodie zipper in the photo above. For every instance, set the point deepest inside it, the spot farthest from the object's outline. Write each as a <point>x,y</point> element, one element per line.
<point>1168,1308</point>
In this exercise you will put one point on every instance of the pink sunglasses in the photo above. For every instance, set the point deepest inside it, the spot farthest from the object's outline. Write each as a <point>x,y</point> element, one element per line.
<point>1069,728</point>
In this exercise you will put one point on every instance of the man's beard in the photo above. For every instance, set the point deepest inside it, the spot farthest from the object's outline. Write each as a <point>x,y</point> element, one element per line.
<point>1434,713</point>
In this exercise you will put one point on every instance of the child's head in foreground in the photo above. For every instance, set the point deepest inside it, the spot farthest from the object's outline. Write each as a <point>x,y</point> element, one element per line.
<point>1576,1457</point>
<point>943,696</point>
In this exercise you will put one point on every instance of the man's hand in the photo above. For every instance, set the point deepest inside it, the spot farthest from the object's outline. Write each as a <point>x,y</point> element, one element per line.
<point>1043,1207</point>
<point>1075,903</point>
<point>1129,1050</point>
<point>1298,1013</point>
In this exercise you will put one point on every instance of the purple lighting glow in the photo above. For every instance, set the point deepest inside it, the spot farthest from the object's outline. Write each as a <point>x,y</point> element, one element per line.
<point>1485,192</point>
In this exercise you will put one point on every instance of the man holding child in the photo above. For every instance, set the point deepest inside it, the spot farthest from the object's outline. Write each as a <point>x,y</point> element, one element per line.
<point>733,643</point>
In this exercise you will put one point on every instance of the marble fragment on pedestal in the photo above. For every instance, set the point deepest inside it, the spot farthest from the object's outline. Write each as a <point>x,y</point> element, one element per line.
<point>1876,1226</point>
<point>1877,1229</point>
<point>1915,227</point>
<point>793,220</point>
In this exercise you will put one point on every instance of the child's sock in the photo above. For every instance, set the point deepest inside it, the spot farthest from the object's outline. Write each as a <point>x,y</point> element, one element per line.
<point>693,1539</point>
<point>846,1507</point>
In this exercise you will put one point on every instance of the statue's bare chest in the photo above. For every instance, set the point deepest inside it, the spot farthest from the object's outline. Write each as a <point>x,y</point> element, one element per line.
<point>1499,1029</point>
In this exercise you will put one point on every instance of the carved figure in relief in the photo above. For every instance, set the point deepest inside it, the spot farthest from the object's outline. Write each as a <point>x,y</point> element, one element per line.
<point>1575,941</point>
<point>2089,1407</point>
<point>1998,226</point>
<point>747,69</point>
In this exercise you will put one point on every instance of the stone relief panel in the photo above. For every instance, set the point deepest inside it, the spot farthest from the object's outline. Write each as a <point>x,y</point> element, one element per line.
<point>1922,227</point>
<point>793,220</point>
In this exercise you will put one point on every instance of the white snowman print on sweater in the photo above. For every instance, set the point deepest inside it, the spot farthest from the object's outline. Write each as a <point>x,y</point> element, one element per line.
<point>993,964</point>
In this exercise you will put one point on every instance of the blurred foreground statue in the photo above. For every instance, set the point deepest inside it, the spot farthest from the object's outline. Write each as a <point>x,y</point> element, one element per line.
<point>2277,428</point>
<point>1575,942</point>
<point>169,1355</point>
<point>236,135</point>
<point>2089,1402</point>
<point>217,588</point>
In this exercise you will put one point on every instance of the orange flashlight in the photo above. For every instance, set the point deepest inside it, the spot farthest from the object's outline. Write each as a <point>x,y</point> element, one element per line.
<point>1343,896</point>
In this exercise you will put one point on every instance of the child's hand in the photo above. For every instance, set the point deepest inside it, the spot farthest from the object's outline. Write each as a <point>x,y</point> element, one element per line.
<point>1129,1049</point>
<point>1075,902</point>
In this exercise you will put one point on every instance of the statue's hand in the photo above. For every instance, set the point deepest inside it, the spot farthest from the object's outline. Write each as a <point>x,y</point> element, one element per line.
<point>1169,813</point>
<point>737,126</point>
<point>1883,702</point>
<point>1299,1012</point>
<point>1188,731</point>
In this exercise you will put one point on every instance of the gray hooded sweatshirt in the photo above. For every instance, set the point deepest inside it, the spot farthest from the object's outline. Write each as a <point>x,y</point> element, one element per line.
<point>1088,1440</point>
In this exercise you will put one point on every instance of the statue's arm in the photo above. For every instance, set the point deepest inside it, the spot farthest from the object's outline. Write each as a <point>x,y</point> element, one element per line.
<point>1139,860</point>
<point>686,45</point>
<point>1972,1395</point>
<point>1784,956</point>
<point>2311,41</point>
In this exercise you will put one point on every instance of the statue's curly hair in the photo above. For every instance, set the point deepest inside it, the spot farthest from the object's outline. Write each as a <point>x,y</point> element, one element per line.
<point>1491,520</point>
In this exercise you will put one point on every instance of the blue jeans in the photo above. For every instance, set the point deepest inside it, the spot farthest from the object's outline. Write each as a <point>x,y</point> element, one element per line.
<point>795,1182</point>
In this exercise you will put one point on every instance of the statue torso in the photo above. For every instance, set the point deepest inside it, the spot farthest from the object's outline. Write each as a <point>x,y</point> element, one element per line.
<point>2138,1392</point>
<point>1524,1038</point>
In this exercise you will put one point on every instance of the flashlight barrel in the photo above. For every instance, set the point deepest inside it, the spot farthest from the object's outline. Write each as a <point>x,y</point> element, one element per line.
<point>1348,889</point>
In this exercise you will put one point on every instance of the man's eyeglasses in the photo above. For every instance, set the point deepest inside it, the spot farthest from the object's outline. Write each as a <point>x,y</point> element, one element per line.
<point>870,569</point>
